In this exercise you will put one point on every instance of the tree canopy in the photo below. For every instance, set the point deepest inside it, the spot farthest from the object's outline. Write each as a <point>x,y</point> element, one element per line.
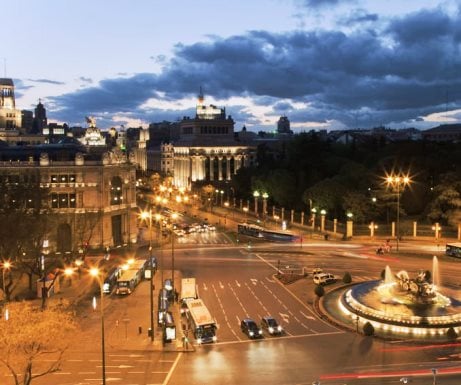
<point>33,341</point>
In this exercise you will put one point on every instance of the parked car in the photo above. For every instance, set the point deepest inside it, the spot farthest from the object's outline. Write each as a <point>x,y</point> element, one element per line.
<point>324,279</point>
<point>250,328</point>
<point>317,271</point>
<point>271,326</point>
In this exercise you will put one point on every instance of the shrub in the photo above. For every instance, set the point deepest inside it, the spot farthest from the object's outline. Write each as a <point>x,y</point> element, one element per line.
<point>451,334</point>
<point>368,329</point>
<point>319,291</point>
<point>347,278</point>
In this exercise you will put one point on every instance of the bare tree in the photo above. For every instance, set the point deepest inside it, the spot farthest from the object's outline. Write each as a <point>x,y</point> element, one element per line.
<point>85,226</point>
<point>24,208</point>
<point>33,342</point>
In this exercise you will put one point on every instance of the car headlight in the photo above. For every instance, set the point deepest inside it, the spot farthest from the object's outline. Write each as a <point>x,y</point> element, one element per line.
<point>215,338</point>
<point>251,333</point>
<point>271,329</point>
<point>199,341</point>
<point>279,328</point>
<point>260,331</point>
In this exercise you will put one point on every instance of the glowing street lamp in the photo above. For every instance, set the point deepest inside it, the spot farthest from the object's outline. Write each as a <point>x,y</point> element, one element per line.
<point>6,265</point>
<point>396,181</point>
<point>256,196</point>
<point>437,229</point>
<point>313,212</point>
<point>265,195</point>
<point>94,272</point>
<point>322,220</point>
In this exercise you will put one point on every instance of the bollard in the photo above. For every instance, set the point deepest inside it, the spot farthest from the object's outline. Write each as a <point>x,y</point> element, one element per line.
<point>140,329</point>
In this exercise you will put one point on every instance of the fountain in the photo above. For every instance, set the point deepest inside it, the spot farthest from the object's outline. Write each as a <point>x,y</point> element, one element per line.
<point>401,305</point>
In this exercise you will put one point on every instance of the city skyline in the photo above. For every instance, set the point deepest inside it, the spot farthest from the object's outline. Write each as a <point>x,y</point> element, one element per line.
<point>325,64</point>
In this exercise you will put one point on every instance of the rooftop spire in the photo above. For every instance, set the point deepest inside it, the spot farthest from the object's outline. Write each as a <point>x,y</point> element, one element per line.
<point>201,98</point>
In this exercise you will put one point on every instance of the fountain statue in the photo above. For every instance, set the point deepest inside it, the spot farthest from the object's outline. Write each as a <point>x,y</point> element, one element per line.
<point>399,304</point>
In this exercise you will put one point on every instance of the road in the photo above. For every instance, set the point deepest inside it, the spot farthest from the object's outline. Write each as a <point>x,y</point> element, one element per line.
<point>237,282</point>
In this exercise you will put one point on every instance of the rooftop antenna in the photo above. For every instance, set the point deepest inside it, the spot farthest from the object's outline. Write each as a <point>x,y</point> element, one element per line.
<point>200,96</point>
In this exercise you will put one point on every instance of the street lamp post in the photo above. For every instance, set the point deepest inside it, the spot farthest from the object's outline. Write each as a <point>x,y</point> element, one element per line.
<point>173,217</point>
<point>396,181</point>
<point>148,215</point>
<point>96,273</point>
<point>6,265</point>
<point>265,196</point>
<point>256,196</point>
<point>322,220</point>
<point>158,218</point>
<point>434,374</point>
<point>313,212</point>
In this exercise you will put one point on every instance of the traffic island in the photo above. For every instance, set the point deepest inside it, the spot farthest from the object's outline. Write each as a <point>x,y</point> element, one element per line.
<point>289,278</point>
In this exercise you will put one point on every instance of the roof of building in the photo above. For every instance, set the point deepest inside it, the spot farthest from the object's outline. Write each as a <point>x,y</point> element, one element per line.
<point>6,82</point>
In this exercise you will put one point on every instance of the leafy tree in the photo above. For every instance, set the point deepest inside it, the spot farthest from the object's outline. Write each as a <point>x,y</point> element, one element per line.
<point>33,342</point>
<point>319,291</point>
<point>446,206</point>
<point>324,195</point>
<point>347,277</point>
<point>368,329</point>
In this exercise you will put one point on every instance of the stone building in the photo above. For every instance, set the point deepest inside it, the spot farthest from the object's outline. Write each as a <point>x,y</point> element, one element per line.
<point>207,149</point>
<point>92,196</point>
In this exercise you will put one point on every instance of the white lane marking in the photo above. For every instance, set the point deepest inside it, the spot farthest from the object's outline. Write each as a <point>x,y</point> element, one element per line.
<point>307,316</point>
<point>170,373</point>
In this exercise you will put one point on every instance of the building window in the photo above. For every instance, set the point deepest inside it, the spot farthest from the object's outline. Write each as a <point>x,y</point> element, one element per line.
<point>63,201</point>
<point>63,178</point>
<point>116,192</point>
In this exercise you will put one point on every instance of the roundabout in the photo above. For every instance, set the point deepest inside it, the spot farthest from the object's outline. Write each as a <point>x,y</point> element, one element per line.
<point>398,306</point>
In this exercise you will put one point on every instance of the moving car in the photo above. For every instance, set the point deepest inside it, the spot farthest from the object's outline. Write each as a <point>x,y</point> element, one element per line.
<point>270,325</point>
<point>250,328</point>
<point>324,279</point>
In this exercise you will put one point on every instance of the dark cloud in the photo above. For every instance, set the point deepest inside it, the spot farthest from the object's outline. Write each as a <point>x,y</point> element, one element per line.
<point>282,107</point>
<point>85,80</point>
<point>47,81</point>
<point>324,3</point>
<point>364,77</point>
<point>358,16</point>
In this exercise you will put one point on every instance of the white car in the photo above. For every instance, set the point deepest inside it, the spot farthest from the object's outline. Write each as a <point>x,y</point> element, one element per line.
<point>324,279</point>
<point>317,271</point>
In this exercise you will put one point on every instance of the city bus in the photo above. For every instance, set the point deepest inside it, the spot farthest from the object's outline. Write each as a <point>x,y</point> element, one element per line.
<point>453,249</point>
<point>269,235</point>
<point>130,277</point>
<point>110,282</point>
<point>188,291</point>
<point>250,229</point>
<point>201,323</point>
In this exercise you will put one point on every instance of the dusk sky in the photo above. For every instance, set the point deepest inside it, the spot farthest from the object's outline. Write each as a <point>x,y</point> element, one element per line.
<point>325,64</point>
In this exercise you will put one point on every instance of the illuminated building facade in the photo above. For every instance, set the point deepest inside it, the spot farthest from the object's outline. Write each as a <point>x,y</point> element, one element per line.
<point>10,117</point>
<point>91,195</point>
<point>207,149</point>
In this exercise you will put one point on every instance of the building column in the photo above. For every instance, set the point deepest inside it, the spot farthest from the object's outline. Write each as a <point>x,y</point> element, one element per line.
<point>220,168</point>
<point>228,172</point>
<point>211,168</point>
